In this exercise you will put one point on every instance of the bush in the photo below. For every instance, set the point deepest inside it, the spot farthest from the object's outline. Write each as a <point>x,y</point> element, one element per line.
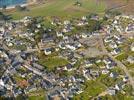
<point>93,25</point>
<point>4,7</point>
<point>113,12</point>
<point>77,3</point>
<point>1,16</point>
<point>20,8</point>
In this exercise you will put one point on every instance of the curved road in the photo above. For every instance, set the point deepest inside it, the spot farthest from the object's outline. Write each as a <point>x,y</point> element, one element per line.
<point>120,64</point>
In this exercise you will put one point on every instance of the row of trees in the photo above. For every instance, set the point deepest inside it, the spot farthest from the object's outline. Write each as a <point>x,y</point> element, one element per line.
<point>20,8</point>
<point>17,7</point>
<point>2,16</point>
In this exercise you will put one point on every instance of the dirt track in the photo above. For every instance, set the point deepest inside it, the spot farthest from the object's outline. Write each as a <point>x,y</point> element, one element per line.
<point>122,5</point>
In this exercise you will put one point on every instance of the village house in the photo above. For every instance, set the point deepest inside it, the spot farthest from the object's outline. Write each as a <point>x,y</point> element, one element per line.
<point>119,86</point>
<point>105,71</point>
<point>110,66</point>
<point>64,81</point>
<point>113,45</point>
<point>56,21</point>
<point>48,51</point>
<point>130,28</point>
<point>113,75</point>
<point>84,18</point>
<point>107,61</point>
<point>88,63</point>
<point>84,35</point>
<point>59,34</point>
<point>67,22</point>
<point>94,73</point>
<point>116,51</point>
<point>132,47</point>
<point>30,88</point>
<point>130,59</point>
<point>111,91</point>
<point>108,39</point>
<point>86,74</point>
<point>62,46</point>
<point>69,67</point>
<point>82,23</point>
<point>46,38</point>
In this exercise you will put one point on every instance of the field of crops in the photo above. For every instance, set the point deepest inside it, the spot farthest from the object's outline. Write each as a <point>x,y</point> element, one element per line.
<point>62,8</point>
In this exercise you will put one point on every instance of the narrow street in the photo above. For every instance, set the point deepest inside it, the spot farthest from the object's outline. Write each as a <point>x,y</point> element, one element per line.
<point>120,64</point>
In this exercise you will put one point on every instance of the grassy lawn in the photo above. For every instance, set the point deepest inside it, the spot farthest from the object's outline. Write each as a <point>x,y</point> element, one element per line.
<point>92,88</point>
<point>107,81</point>
<point>132,73</point>
<point>119,96</point>
<point>52,62</point>
<point>62,8</point>
<point>121,56</point>
<point>37,95</point>
<point>19,47</point>
<point>100,64</point>
<point>36,98</point>
<point>130,66</point>
<point>118,70</point>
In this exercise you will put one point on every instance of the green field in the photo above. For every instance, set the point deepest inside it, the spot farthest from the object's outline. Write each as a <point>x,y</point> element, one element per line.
<point>121,57</point>
<point>62,8</point>
<point>37,95</point>
<point>92,89</point>
<point>52,62</point>
<point>36,98</point>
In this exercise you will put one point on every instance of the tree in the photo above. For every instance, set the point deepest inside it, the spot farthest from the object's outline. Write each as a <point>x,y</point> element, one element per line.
<point>6,98</point>
<point>91,15</point>
<point>39,19</point>
<point>93,25</point>
<point>21,97</point>
<point>1,16</point>
<point>37,37</point>
<point>20,8</point>
<point>4,7</point>
<point>105,18</point>
<point>77,3</point>
<point>113,13</point>
<point>127,1</point>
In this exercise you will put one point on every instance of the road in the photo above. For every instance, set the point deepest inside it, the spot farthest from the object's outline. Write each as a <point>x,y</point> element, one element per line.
<point>104,50</point>
<point>100,39</point>
<point>28,66</point>
<point>36,71</point>
<point>127,35</point>
<point>120,64</point>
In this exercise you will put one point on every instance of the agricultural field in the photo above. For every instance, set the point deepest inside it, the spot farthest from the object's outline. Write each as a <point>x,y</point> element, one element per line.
<point>68,9</point>
<point>61,8</point>
<point>125,6</point>
<point>37,95</point>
